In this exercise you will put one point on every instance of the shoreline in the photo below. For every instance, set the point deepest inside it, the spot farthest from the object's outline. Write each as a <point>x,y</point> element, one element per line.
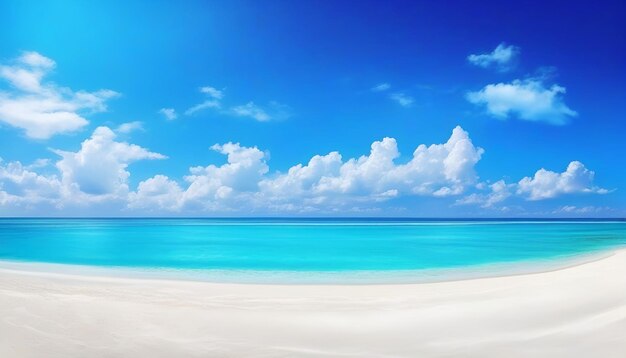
<point>578,311</point>
<point>312,278</point>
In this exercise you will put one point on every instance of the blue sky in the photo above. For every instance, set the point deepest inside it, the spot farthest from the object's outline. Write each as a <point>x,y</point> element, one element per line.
<point>317,108</point>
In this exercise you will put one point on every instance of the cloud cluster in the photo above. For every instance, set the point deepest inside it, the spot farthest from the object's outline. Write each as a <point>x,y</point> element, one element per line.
<point>529,99</point>
<point>21,186</point>
<point>503,58</point>
<point>435,170</point>
<point>545,184</point>
<point>325,182</point>
<point>43,109</point>
<point>98,173</point>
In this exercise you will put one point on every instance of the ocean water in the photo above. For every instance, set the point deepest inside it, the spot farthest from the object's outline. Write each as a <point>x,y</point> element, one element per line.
<point>307,250</point>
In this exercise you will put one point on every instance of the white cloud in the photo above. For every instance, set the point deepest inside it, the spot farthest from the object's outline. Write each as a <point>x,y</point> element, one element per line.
<point>503,58</point>
<point>129,127</point>
<point>214,186</point>
<point>525,99</point>
<point>39,163</point>
<point>499,192</point>
<point>402,99</point>
<point>214,100</point>
<point>381,87</point>
<point>95,174</point>
<point>19,185</point>
<point>98,174</point>
<point>212,92</point>
<point>589,209</point>
<point>157,193</point>
<point>251,110</point>
<point>437,170</point>
<point>99,167</point>
<point>544,184</point>
<point>325,183</point>
<point>44,109</point>
<point>547,184</point>
<point>274,110</point>
<point>169,113</point>
<point>210,103</point>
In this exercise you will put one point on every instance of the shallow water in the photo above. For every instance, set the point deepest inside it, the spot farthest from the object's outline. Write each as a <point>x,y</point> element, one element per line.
<point>304,247</point>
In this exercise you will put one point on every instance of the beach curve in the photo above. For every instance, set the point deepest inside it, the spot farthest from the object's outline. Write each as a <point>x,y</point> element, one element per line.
<point>577,311</point>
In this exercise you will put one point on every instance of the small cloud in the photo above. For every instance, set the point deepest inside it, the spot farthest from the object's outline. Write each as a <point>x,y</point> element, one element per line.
<point>279,111</point>
<point>273,110</point>
<point>129,127</point>
<point>201,106</point>
<point>212,92</point>
<point>169,113</point>
<point>251,110</point>
<point>527,99</point>
<point>381,87</point>
<point>402,99</point>
<point>214,101</point>
<point>503,58</point>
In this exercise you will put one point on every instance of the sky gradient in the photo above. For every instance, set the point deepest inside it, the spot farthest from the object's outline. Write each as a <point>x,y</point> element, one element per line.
<point>315,108</point>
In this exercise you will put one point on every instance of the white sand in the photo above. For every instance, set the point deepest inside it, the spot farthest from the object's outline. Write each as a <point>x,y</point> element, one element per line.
<point>574,312</point>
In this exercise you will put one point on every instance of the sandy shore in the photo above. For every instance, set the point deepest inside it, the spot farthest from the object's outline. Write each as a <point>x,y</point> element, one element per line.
<point>574,312</point>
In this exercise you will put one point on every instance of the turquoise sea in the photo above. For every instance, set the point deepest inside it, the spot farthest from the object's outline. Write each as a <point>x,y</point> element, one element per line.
<point>307,250</point>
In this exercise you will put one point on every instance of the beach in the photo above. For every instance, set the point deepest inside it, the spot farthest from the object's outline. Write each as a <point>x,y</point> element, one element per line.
<point>578,311</point>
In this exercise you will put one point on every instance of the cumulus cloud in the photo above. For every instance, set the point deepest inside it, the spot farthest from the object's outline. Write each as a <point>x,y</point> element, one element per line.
<point>43,109</point>
<point>547,184</point>
<point>169,113</point>
<point>19,185</point>
<point>213,184</point>
<point>325,183</point>
<point>503,58</point>
<point>99,167</point>
<point>435,170</point>
<point>402,99</point>
<point>98,173</point>
<point>544,184</point>
<point>527,99</point>
<point>157,193</point>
